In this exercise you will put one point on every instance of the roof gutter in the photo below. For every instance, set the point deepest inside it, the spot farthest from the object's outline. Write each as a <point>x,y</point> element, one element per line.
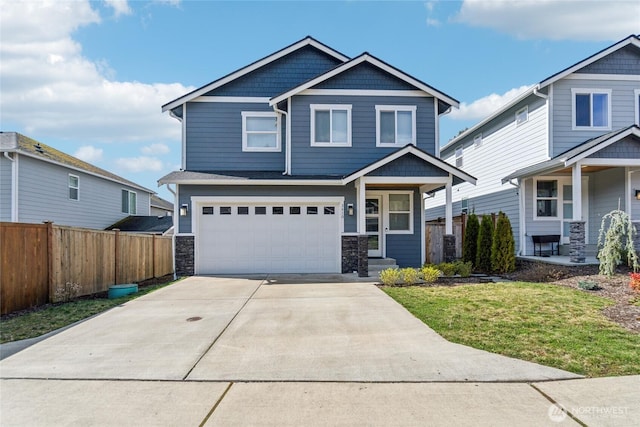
<point>536,93</point>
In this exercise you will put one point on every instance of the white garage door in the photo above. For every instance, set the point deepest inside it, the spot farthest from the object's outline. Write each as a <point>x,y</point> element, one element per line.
<point>268,236</point>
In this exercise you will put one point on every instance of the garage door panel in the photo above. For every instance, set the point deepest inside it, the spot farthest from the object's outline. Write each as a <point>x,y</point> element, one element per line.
<point>294,241</point>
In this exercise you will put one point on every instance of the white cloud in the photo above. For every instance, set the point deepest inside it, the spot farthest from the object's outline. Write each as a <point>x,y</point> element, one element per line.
<point>433,22</point>
<point>49,87</point>
<point>139,164</point>
<point>554,19</point>
<point>485,106</point>
<point>155,149</point>
<point>89,153</point>
<point>120,7</point>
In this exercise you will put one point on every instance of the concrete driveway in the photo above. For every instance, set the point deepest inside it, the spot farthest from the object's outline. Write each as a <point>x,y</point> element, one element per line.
<point>279,351</point>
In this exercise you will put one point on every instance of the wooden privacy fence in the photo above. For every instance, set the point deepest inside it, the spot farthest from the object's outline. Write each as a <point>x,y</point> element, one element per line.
<point>39,261</point>
<point>434,240</point>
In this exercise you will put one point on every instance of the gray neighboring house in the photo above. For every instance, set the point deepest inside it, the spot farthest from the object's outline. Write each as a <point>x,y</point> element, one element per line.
<point>307,161</point>
<point>558,157</point>
<point>39,183</point>
<point>160,206</point>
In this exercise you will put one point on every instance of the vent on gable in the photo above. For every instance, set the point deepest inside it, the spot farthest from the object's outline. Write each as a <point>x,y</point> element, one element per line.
<point>38,148</point>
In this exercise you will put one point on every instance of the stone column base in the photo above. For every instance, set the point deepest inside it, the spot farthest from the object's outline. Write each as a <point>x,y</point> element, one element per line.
<point>449,248</point>
<point>355,256</point>
<point>577,241</point>
<point>185,254</point>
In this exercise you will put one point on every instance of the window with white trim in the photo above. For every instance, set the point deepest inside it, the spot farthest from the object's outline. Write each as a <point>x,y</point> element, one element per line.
<point>74,187</point>
<point>260,131</point>
<point>395,125</point>
<point>129,202</point>
<point>330,125</point>
<point>400,212</point>
<point>522,115</point>
<point>464,205</point>
<point>591,109</point>
<point>546,198</point>
<point>477,140</point>
<point>459,153</point>
<point>637,97</point>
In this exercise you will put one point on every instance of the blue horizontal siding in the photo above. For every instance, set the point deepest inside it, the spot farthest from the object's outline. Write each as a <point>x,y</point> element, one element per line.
<point>365,76</point>
<point>280,75</point>
<point>363,151</point>
<point>406,249</point>
<point>214,139</point>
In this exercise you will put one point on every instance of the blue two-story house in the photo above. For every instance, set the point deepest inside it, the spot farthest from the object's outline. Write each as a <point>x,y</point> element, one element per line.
<point>307,161</point>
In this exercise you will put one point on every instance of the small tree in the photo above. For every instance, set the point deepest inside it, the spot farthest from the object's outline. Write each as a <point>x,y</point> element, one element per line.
<point>485,242</point>
<point>616,241</point>
<point>503,257</point>
<point>470,247</point>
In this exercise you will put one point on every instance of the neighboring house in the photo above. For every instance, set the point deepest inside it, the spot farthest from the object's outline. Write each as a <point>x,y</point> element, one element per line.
<point>160,207</point>
<point>307,161</point>
<point>39,183</point>
<point>565,152</point>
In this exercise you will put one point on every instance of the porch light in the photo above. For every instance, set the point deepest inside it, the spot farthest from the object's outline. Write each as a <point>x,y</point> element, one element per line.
<point>637,194</point>
<point>350,209</point>
<point>184,210</point>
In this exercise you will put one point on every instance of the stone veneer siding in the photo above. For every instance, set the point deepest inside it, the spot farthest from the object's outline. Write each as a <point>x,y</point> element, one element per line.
<point>577,241</point>
<point>185,254</point>
<point>355,255</point>
<point>449,248</point>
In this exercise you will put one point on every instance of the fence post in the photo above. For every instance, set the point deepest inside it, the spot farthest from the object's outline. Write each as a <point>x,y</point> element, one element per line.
<point>115,256</point>
<point>50,284</point>
<point>153,256</point>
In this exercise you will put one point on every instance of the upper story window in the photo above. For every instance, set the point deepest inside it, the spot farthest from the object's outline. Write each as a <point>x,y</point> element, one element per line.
<point>260,131</point>
<point>129,204</point>
<point>591,109</point>
<point>395,125</point>
<point>74,187</point>
<point>330,125</point>
<point>522,115</point>
<point>477,140</point>
<point>637,97</point>
<point>459,153</point>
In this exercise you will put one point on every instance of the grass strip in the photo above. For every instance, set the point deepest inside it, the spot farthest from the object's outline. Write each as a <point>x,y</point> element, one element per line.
<point>543,323</point>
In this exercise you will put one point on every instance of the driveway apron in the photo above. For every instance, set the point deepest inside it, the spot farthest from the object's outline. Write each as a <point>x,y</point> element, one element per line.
<point>250,329</point>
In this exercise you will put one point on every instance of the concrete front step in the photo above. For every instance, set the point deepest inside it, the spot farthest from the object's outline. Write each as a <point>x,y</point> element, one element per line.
<point>376,265</point>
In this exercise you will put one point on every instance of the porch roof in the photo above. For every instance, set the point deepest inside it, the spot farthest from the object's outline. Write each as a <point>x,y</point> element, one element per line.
<point>575,154</point>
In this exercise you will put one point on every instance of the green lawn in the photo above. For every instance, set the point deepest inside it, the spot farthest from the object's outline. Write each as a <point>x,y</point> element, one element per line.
<point>51,317</point>
<point>542,323</point>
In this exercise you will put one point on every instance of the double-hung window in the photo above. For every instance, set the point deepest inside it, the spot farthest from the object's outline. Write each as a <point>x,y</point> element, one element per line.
<point>395,125</point>
<point>522,115</point>
<point>330,125</point>
<point>459,154</point>
<point>74,187</point>
<point>591,109</point>
<point>400,212</point>
<point>637,97</point>
<point>546,198</point>
<point>260,131</point>
<point>129,202</point>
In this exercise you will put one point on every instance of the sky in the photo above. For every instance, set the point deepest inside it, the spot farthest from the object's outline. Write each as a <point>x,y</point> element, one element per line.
<point>89,77</point>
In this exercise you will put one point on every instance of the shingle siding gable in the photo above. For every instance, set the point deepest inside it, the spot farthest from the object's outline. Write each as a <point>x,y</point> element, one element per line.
<point>628,148</point>
<point>408,165</point>
<point>280,75</point>
<point>623,61</point>
<point>365,76</point>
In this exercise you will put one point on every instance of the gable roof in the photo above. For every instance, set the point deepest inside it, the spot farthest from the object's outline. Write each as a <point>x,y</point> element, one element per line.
<point>630,40</point>
<point>411,149</point>
<point>160,203</point>
<point>16,142</point>
<point>307,41</point>
<point>366,57</point>
<point>575,154</point>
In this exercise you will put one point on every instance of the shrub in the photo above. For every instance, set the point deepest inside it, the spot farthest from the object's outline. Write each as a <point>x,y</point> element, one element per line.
<point>447,268</point>
<point>464,268</point>
<point>615,241</point>
<point>588,285</point>
<point>635,281</point>
<point>503,256</point>
<point>485,242</point>
<point>470,246</point>
<point>390,276</point>
<point>430,273</point>
<point>410,276</point>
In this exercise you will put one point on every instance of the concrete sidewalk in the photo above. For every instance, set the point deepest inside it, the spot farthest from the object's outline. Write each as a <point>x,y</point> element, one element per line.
<point>277,351</point>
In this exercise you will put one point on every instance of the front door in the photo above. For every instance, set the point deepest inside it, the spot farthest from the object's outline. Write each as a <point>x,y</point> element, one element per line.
<point>373,216</point>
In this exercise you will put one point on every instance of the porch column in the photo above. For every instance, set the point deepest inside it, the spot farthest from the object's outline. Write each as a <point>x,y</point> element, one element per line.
<point>361,194</point>
<point>448,208</point>
<point>577,226</point>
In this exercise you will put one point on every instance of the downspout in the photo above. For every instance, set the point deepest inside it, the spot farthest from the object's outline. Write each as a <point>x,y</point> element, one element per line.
<point>287,156</point>
<point>541,95</point>
<point>521,215</point>
<point>176,227</point>
<point>14,186</point>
